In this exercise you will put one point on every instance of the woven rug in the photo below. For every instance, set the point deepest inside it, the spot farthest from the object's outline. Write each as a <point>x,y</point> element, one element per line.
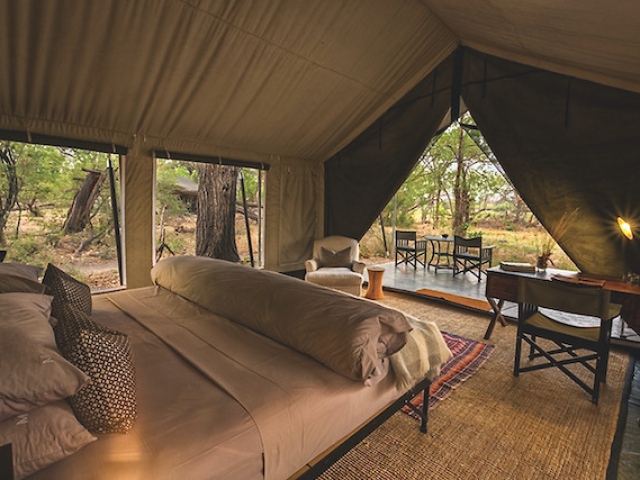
<point>468,357</point>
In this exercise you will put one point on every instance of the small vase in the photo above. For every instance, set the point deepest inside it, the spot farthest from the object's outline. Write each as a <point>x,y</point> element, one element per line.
<point>543,262</point>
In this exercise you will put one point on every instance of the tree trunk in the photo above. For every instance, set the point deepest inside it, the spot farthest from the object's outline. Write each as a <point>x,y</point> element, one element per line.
<point>436,209</point>
<point>9,199</point>
<point>80,212</point>
<point>460,194</point>
<point>215,225</point>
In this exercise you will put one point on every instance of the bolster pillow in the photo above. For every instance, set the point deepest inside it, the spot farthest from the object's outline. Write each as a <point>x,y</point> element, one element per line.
<point>345,333</point>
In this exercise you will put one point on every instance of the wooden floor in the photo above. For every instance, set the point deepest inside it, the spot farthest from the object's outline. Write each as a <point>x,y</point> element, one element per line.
<point>405,278</point>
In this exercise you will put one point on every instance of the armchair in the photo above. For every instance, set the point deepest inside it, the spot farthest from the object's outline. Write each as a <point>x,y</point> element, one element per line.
<point>335,264</point>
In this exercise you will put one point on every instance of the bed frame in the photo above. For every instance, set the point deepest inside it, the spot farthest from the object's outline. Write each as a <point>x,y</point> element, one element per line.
<point>320,464</point>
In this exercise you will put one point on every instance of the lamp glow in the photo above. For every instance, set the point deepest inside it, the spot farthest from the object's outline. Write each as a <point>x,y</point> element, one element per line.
<point>625,228</point>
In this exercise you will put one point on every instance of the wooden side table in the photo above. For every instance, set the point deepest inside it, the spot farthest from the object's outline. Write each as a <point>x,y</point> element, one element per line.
<point>374,290</point>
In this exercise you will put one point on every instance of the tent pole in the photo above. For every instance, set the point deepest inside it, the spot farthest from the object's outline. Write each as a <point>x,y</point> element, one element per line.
<point>116,223</point>
<point>456,84</point>
<point>395,216</point>
<point>246,218</point>
<point>384,237</point>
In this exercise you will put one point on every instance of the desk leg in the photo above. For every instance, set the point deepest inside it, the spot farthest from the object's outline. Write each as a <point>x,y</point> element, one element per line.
<point>497,314</point>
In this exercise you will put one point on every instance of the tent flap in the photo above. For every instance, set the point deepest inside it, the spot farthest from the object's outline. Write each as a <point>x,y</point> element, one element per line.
<point>566,145</point>
<point>362,178</point>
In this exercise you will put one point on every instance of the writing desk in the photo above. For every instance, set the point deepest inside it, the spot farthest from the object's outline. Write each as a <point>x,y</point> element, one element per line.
<point>503,286</point>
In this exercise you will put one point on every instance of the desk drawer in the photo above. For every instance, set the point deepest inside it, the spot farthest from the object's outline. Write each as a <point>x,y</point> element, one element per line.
<point>502,286</point>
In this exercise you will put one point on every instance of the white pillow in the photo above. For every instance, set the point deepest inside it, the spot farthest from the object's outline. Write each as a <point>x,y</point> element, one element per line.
<point>43,436</point>
<point>32,370</point>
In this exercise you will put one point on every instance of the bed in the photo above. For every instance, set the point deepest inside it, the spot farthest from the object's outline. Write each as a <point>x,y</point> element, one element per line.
<point>248,374</point>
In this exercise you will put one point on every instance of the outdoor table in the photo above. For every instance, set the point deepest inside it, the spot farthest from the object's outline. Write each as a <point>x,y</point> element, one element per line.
<point>441,248</point>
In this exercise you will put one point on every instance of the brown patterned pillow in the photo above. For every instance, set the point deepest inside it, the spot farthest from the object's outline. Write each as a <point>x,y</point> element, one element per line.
<point>66,290</point>
<point>108,403</point>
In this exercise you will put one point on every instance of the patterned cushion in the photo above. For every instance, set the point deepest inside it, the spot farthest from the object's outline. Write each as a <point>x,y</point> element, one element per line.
<point>108,403</point>
<point>66,290</point>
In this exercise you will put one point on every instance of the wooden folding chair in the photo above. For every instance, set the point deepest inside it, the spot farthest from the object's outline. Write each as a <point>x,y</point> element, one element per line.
<point>469,255</point>
<point>566,344</point>
<point>409,249</point>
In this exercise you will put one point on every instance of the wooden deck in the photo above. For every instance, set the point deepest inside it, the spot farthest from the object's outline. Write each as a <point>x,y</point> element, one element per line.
<point>466,292</point>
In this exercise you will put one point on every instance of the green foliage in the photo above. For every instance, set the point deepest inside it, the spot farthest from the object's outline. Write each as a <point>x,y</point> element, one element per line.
<point>431,191</point>
<point>250,184</point>
<point>167,173</point>
<point>31,249</point>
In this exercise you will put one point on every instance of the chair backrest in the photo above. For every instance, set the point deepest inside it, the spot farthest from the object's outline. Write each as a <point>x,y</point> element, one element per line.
<point>564,297</point>
<point>405,237</point>
<point>461,244</point>
<point>336,243</point>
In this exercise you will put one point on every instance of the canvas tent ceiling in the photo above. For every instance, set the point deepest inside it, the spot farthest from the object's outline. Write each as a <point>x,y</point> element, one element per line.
<point>283,82</point>
<point>252,79</point>
<point>242,79</point>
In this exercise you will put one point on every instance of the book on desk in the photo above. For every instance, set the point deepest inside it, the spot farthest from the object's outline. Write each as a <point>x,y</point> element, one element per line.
<point>517,267</point>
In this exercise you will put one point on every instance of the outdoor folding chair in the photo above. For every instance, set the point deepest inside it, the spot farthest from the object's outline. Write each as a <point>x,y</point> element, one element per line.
<point>469,255</point>
<point>566,345</point>
<point>410,250</point>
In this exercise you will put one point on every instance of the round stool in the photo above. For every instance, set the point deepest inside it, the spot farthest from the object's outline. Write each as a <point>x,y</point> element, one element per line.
<point>374,290</point>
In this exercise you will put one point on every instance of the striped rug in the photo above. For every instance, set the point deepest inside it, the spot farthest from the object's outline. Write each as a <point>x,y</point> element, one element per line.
<point>468,357</point>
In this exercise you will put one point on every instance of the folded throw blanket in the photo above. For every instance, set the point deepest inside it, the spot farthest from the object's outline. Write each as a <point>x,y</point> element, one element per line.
<point>422,356</point>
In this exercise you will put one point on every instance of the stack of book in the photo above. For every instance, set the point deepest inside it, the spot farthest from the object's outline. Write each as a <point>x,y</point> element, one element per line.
<point>517,267</point>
